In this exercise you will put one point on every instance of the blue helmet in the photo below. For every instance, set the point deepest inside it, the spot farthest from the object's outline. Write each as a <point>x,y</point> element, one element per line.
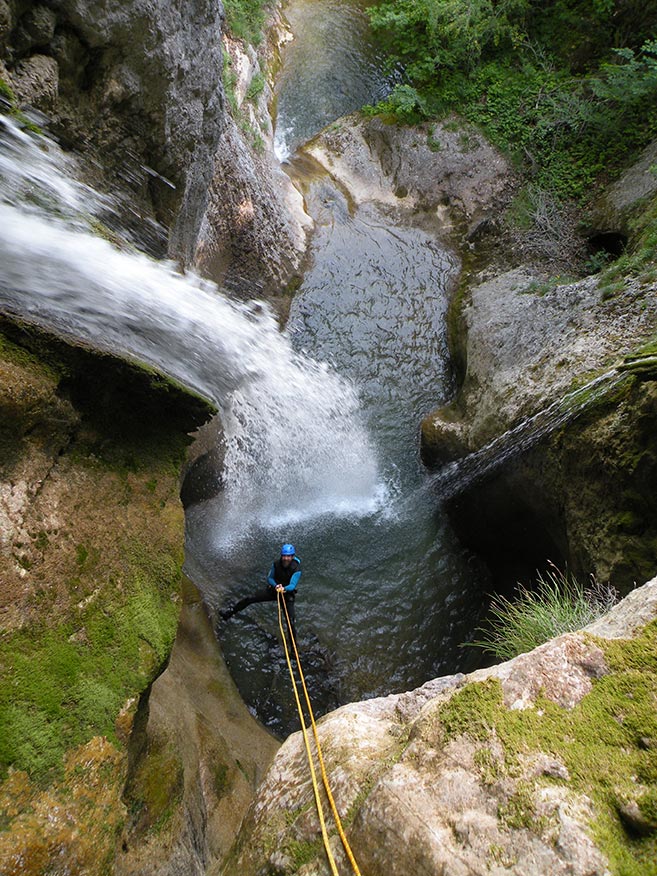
<point>287,550</point>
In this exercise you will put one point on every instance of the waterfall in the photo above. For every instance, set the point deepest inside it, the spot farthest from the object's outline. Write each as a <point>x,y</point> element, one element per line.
<point>295,444</point>
<point>457,476</point>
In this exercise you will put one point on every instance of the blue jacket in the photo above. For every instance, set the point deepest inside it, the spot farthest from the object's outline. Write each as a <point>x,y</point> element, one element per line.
<point>289,577</point>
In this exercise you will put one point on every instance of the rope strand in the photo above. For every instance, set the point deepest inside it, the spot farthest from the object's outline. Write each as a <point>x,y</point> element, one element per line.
<point>320,756</point>
<point>318,802</point>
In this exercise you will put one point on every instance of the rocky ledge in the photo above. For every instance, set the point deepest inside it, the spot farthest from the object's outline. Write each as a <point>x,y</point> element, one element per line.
<point>524,341</point>
<point>544,764</point>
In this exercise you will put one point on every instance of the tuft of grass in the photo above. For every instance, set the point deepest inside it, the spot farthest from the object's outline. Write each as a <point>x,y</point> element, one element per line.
<point>558,604</point>
<point>246,19</point>
<point>256,86</point>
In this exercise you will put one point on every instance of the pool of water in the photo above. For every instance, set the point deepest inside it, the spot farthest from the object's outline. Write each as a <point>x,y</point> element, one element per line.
<point>387,597</point>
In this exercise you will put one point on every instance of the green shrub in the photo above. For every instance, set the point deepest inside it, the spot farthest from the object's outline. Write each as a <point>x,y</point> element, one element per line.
<point>558,604</point>
<point>246,19</point>
<point>256,86</point>
<point>547,85</point>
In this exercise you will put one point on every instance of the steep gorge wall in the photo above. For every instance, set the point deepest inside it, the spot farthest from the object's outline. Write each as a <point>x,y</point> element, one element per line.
<point>584,496</point>
<point>91,527</point>
<point>135,89</point>
<point>109,741</point>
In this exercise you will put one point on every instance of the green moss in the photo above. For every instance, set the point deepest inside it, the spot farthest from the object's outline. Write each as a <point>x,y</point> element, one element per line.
<point>605,742</point>
<point>59,688</point>
<point>303,852</point>
<point>246,19</point>
<point>6,92</point>
<point>256,87</point>
<point>156,788</point>
<point>25,358</point>
<point>490,769</point>
<point>221,778</point>
<point>519,812</point>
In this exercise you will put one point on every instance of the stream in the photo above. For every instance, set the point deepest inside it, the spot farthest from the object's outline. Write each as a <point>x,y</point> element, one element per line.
<point>387,594</point>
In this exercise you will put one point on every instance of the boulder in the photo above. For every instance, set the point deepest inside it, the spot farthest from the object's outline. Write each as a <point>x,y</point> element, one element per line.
<point>467,774</point>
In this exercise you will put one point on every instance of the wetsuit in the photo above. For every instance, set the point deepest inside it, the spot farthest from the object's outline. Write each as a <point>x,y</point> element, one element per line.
<point>278,574</point>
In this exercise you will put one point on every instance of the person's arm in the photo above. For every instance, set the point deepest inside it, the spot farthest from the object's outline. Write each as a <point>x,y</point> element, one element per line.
<point>294,580</point>
<point>270,578</point>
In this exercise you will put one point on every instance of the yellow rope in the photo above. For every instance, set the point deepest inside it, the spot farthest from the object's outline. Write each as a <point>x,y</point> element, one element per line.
<point>318,802</point>
<point>320,756</point>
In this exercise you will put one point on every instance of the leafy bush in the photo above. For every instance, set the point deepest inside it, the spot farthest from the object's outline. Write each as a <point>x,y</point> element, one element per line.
<point>430,36</point>
<point>558,604</point>
<point>545,82</point>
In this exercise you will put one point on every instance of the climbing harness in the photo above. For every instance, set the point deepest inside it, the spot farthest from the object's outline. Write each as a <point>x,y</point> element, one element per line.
<point>320,757</point>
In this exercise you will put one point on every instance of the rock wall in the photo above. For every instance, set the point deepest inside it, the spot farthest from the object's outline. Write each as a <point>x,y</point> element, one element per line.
<point>539,765</point>
<point>136,89</point>
<point>254,232</point>
<point>91,553</point>
<point>583,495</point>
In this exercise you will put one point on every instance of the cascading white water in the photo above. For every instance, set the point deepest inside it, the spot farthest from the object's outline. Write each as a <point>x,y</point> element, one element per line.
<point>295,445</point>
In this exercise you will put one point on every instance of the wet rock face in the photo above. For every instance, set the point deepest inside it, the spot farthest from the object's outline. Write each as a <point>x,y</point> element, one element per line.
<point>136,86</point>
<point>252,237</point>
<point>585,494</point>
<point>253,234</point>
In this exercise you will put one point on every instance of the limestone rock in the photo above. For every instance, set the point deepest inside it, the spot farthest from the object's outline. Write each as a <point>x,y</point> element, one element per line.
<point>622,198</point>
<point>425,792</point>
<point>6,21</point>
<point>36,28</point>
<point>216,754</point>
<point>447,167</point>
<point>253,234</point>
<point>140,85</point>
<point>36,82</point>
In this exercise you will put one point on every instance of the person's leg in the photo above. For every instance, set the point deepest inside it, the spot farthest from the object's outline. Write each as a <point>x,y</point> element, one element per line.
<point>266,594</point>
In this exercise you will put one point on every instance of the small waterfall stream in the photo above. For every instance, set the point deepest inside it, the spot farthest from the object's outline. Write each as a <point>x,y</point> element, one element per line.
<point>469,470</point>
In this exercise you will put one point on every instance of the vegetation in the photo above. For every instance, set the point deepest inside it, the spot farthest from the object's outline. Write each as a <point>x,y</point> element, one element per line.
<point>246,19</point>
<point>238,111</point>
<point>568,88</point>
<point>557,604</point>
<point>8,103</point>
<point>59,687</point>
<point>99,602</point>
<point>607,743</point>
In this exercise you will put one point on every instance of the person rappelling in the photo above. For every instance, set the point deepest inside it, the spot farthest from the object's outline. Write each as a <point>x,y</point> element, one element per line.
<point>284,576</point>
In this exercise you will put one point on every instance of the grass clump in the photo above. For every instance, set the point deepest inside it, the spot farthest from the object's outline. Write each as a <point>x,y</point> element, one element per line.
<point>246,19</point>
<point>558,604</point>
